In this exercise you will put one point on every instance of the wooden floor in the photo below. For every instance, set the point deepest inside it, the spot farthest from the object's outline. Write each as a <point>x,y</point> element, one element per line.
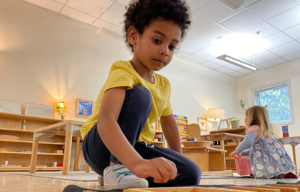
<point>18,183</point>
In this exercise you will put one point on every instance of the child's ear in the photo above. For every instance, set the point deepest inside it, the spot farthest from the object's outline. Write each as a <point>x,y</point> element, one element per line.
<point>132,35</point>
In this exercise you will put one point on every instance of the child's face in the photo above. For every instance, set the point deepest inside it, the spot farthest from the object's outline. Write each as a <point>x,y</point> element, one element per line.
<point>156,46</point>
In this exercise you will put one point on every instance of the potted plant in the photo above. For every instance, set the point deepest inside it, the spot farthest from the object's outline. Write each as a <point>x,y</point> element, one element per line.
<point>235,122</point>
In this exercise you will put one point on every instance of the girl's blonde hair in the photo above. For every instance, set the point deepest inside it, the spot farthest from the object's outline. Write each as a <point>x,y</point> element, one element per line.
<point>258,115</point>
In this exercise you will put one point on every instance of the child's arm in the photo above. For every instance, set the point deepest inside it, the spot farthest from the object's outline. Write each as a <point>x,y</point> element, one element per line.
<point>171,132</point>
<point>246,152</point>
<point>245,144</point>
<point>110,132</point>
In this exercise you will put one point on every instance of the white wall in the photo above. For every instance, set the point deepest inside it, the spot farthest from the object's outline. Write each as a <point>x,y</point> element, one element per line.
<point>289,70</point>
<point>196,88</point>
<point>46,57</point>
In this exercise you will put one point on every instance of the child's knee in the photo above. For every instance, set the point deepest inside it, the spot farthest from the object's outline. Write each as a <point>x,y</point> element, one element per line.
<point>194,174</point>
<point>142,96</point>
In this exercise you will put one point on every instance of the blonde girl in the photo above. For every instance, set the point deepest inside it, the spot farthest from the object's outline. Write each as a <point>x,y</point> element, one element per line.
<point>268,157</point>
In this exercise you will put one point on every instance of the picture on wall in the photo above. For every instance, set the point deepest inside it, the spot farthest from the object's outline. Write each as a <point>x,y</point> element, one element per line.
<point>202,123</point>
<point>285,131</point>
<point>84,108</point>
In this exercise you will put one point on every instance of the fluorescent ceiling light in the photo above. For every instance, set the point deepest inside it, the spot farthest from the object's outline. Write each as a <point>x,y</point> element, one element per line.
<point>237,62</point>
<point>233,4</point>
<point>110,33</point>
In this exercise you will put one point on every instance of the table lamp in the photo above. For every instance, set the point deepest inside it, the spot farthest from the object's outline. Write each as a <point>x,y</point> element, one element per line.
<point>215,115</point>
<point>60,108</point>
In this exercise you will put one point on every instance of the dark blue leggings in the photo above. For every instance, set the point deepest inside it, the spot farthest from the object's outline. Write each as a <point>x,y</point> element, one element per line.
<point>133,116</point>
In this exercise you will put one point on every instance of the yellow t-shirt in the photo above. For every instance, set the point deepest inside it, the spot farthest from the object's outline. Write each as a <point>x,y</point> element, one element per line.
<point>122,74</point>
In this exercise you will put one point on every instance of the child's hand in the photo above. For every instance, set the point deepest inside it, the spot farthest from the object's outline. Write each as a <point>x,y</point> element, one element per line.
<point>233,153</point>
<point>160,169</point>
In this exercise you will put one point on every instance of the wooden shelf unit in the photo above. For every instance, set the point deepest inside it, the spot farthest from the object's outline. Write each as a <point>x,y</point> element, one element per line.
<point>181,123</point>
<point>158,131</point>
<point>18,141</point>
<point>11,124</point>
<point>230,163</point>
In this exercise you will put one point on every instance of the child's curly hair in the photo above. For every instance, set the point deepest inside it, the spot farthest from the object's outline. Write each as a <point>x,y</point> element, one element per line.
<point>141,12</point>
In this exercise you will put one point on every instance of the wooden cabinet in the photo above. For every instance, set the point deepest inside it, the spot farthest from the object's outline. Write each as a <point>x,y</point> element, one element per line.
<point>230,146</point>
<point>181,124</point>
<point>158,131</point>
<point>16,144</point>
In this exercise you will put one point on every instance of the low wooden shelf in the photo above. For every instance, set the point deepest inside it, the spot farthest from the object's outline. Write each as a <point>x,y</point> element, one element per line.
<point>51,143</point>
<point>16,130</point>
<point>207,158</point>
<point>11,124</point>
<point>29,118</point>
<point>181,123</point>
<point>20,141</point>
<point>28,153</point>
<point>230,163</point>
<point>14,141</point>
<point>58,154</point>
<point>15,153</point>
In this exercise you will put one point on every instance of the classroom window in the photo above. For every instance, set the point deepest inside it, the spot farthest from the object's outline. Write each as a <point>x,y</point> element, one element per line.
<point>279,100</point>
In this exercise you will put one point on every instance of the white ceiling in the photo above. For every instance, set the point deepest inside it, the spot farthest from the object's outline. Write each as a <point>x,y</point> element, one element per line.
<point>277,20</point>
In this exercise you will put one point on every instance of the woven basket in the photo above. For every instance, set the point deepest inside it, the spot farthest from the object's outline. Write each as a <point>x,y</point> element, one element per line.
<point>197,143</point>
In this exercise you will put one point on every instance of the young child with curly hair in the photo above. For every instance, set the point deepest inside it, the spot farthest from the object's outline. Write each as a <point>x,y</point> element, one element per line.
<point>268,157</point>
<point>117,135</point>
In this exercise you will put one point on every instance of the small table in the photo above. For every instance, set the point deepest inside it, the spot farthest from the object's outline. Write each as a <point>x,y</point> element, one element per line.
<point>293,141</point>
<point>67,128</point>
<point>222,137</point>
<point>207,158</point>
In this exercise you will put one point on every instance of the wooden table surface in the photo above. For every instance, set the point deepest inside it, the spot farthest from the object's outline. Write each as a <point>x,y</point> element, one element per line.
<point>221,136</point>
<point>67,128</point>
<point>289,139</point>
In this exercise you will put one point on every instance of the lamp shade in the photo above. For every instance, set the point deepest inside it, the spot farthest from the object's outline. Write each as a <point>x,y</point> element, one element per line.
<point>61,106</point>
<point>215,114</point>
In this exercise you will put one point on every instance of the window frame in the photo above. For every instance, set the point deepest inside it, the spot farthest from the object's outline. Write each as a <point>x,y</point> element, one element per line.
<point>272,86</point>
